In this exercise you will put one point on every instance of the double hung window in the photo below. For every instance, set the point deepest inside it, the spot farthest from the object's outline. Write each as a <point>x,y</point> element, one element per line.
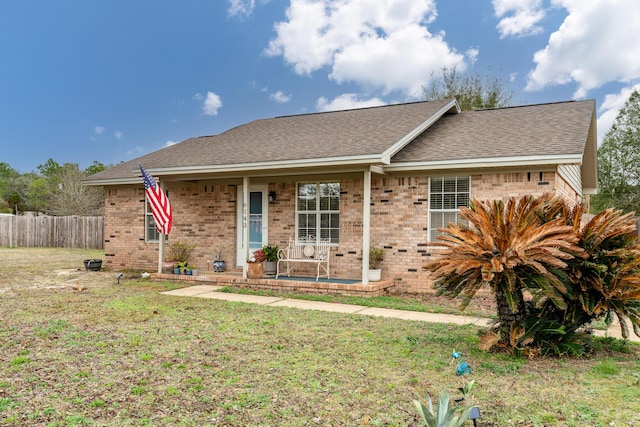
<point>446,196</point>
<point>318,211</point>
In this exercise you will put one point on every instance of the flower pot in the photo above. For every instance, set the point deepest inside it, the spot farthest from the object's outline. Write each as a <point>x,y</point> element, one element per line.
<point>270,268</point>
<point>93,264</point>
<point>375,275</point>
<point>194,271</point>
<point>219,266</point>
<point>176,271</point>
<point>255,270</point>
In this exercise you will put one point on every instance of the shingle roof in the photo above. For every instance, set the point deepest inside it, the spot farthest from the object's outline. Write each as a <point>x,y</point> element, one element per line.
<point>534,130</point>
<point>337,134</point>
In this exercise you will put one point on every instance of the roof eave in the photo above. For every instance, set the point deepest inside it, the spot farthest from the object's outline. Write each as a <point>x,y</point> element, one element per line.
<point>497,162</point>
<point>240,169</point>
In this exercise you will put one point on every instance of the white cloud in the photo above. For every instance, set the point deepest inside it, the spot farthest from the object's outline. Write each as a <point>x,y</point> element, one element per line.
<point>118,134</point>
<point>518,17</point>
<point>280,97</point>
<point>241,7</point>
<point>212,103</point>
<point>98,130</point>
<point>594,45</point>
<point>170,143</point>
<point>379,45</point>
<point>346,101</point>
<point>610,108</point>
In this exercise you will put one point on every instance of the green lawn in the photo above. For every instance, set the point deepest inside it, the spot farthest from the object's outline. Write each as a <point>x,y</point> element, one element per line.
<point>125,355</point>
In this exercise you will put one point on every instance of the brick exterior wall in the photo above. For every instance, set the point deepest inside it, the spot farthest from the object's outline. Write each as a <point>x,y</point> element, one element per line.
<point>205,215</point>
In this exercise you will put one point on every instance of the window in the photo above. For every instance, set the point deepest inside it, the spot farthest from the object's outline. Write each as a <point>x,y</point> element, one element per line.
<point>150,231</point>
<point>318,211</point>
<point>446,195</point>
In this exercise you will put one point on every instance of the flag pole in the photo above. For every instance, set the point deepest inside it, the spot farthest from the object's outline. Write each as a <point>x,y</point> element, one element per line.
<point>161,253</point>
<point>161,237</point>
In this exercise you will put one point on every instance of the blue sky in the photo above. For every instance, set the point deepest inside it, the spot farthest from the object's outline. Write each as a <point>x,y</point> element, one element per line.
<point>111,80</point>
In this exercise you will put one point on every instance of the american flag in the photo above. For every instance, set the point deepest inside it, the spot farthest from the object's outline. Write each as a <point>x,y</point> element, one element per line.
<point>160,207</point>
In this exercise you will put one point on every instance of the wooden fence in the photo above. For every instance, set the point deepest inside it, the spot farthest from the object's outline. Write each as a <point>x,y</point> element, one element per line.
<point>52,231</point>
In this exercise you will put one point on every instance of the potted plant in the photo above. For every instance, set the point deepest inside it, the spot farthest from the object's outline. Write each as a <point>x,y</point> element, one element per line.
<point>181,254</point>
<point>219,265</point>
<point>183,268</point>
<point>376,256</point>
<point>255,264</point>
<point>271,261</point>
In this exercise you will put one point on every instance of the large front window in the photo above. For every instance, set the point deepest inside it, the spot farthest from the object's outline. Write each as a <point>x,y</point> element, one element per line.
<point>446,196</point>
<point>318,211</point>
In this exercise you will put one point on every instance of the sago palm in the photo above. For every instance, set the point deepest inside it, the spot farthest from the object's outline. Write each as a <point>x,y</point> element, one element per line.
<point>608,281</point>
<point>509,249</point>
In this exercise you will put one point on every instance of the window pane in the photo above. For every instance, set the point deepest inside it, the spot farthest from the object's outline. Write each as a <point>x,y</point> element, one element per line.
<point>463,185</point>
<point>463,200</point>
<point>436,185</point>
<point>449,186</point>
<point>449,201</point>
<point>436,201</point>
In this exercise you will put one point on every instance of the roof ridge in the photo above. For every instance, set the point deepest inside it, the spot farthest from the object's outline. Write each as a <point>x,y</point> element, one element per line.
<point>360,108</point>
<point>532,105</point>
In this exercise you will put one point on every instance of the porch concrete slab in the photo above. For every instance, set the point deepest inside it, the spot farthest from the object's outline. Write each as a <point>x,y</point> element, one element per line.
<point>318,305</point>
<point>192,291</point>
<point>425,317</point>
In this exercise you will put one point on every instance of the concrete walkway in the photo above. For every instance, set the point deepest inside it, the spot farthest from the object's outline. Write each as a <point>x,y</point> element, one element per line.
<point>211,291</point>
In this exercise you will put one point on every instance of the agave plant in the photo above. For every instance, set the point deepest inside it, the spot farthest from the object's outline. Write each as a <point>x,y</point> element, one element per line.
<point>509,249</point>
<point>443,416</point>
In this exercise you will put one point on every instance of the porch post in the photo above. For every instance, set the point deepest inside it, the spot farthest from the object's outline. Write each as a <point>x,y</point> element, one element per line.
<point>245,223</point>
<point>366,224</point>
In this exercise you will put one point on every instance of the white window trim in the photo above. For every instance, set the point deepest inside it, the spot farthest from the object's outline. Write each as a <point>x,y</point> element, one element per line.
<point>457,211</point>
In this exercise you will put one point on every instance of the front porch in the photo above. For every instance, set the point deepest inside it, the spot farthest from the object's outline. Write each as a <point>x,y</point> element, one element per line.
<point>293,284</point>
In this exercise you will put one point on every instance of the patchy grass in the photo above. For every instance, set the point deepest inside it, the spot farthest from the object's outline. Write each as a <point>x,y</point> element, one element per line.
<point>114,355</point>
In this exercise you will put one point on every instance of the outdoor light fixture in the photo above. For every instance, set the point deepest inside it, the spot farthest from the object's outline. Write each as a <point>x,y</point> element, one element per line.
<point>474,414</point>
<point>272,196</point>
<point>118,276</point>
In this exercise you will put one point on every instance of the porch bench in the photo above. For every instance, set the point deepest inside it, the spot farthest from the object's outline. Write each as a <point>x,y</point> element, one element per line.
<point>310,250</point>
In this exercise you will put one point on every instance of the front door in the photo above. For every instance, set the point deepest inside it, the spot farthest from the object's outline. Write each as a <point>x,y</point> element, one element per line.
<point>257,223</point>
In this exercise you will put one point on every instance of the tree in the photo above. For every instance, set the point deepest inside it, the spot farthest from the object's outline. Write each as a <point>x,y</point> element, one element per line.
<point>95,167</point>
<point>8,175</point>
<point>619,161</point>
<point>71,197</point>
<point>472,91</point>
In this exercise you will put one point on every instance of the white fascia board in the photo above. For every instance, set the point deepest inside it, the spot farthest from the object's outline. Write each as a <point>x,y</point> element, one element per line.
<point>487,163</point>
<point>400,144</point>
<point>243,168</point>
<point>118,181</point>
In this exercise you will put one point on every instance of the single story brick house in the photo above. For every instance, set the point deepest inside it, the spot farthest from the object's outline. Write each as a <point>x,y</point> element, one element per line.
<point>385,176</point>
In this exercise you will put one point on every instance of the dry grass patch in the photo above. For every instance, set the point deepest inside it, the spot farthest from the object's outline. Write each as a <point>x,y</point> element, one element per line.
<point>116,355</point>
